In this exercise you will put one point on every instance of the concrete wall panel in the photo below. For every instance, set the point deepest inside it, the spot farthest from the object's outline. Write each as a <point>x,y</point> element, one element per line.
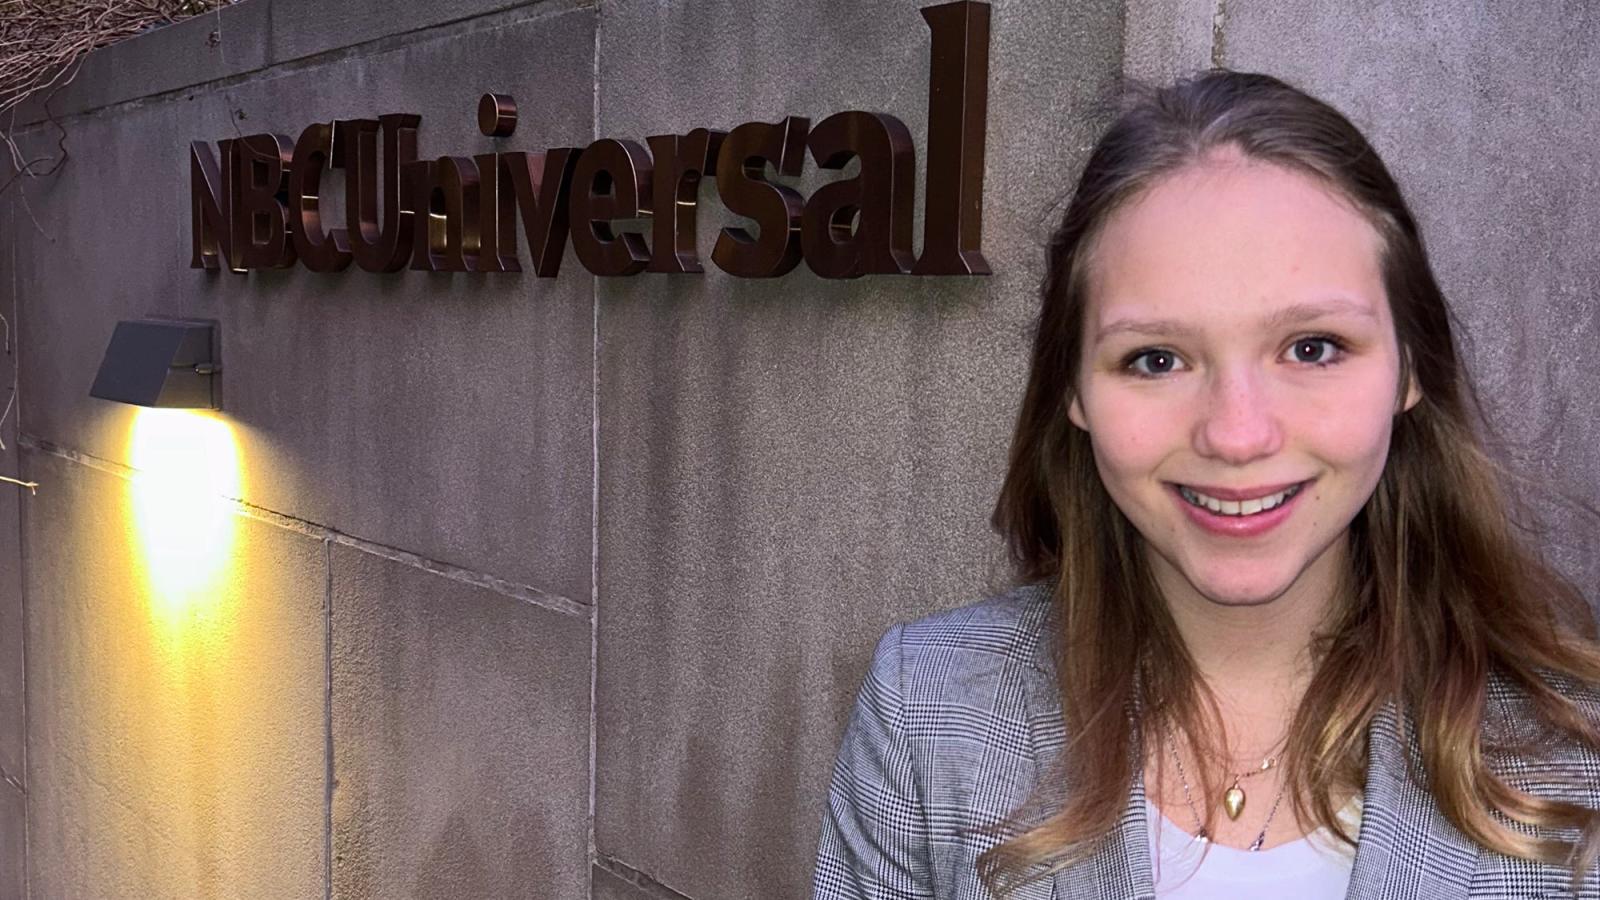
<point>1163,39</point>
<point>12,608</point>
<point>1486,114</point>
<point>176,730</point>
<point>449,416</point>
<point>13,842</point>
<point>460,735</point>
<point>788,466</point>
<point>13,622</point>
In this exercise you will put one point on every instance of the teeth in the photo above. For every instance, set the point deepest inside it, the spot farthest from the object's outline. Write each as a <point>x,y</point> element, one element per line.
<point>1238,507</point>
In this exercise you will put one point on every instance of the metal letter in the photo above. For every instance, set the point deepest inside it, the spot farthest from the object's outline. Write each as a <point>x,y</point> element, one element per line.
<point>377,246</point>
<point>319,249</point>
<point>680,162</point>
<point>958,102</point>
<point>260,215</point>
<point>497,212</point>
<point>211,206</point>
<point>541,183</point>
<point>446,192</point>
<point>745,191</point>
<point>611,181</point>
<point>882,195</point>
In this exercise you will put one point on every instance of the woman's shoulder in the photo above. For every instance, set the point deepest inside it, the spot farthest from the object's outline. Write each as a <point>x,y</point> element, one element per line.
<point>958,653</point>
<point>1533,757</point>
<point>1009,625</point>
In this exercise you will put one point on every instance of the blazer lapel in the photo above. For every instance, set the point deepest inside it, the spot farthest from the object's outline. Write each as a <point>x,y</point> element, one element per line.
<point>1120,869</point>
<point>1406,848</point>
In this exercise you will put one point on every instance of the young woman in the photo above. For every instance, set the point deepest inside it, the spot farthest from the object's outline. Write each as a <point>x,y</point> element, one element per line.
<point>1279,637</point>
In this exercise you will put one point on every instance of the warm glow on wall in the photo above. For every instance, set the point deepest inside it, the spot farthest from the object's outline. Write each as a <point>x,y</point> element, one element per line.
<point>186,477</point>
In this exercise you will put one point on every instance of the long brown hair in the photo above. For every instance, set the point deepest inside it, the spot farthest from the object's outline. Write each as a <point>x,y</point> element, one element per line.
<point>1442,594</point>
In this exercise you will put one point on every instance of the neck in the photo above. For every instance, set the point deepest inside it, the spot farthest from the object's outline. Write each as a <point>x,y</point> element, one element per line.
<point>1257,659</point>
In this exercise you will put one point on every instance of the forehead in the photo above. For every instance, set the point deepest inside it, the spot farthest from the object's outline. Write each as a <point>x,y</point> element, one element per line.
<point>1233,240</point>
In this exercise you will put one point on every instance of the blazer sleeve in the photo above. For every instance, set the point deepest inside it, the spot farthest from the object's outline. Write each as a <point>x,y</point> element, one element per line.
<point>874,842</point>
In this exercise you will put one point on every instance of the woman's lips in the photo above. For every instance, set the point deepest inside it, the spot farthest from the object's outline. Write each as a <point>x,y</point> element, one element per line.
<point>1241,526</point>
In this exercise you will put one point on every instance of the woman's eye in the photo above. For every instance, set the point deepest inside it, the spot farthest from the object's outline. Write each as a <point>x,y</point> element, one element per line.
<point>1317,351</point>
<point>1152,362</point>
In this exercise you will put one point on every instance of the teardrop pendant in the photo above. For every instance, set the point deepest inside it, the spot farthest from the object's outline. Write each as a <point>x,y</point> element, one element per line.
<point>1233,801</point>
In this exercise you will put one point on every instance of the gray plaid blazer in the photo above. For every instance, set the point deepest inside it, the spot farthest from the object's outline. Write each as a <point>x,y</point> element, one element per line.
<point>960,714</point>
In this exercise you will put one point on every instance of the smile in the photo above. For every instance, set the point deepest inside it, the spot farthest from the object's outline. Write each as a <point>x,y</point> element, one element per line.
<point>1248,507</point>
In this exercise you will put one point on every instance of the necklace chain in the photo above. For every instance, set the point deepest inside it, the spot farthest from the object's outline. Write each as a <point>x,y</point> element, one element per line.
<point>1188,799</point>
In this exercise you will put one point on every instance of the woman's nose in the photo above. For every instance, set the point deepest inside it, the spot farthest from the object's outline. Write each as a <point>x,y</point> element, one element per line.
<point>1238,421</point>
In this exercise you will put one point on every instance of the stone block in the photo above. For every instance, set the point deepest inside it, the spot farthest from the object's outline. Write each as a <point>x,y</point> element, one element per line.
<point>460,736</point>
<point>13,842</point>
<point>791,465</point>
<point>12,623</point>
<point>1164,39</point>
<point>176,693</point>
<point>449,416</point>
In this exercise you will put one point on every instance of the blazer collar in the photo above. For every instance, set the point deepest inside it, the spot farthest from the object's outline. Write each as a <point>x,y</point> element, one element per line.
<point>1406,848</point>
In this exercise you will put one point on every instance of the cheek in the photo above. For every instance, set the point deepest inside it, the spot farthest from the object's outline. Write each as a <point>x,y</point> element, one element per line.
<point>1356,439</point>
<point>1129,439</point>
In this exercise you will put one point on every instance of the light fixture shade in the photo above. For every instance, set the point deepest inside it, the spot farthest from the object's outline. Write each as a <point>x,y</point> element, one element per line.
<point>152,362</point>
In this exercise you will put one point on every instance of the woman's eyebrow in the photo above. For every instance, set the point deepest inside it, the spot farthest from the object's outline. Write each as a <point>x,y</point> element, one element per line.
<point>1288,315</point>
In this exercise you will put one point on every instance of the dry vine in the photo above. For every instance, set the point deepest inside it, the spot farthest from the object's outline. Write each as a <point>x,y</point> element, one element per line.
<point>43,43</point>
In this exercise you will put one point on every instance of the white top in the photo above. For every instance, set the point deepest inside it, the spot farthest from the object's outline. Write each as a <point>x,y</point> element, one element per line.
<point>1316,867</point>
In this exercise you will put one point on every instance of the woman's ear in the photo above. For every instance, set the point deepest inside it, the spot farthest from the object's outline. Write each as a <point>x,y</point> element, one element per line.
<point>1413,389</point>
<point>1413,394</point>
<point>1075,413</point>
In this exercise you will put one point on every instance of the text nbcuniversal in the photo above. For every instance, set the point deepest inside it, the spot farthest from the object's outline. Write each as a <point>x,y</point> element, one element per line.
<point>259,207</point>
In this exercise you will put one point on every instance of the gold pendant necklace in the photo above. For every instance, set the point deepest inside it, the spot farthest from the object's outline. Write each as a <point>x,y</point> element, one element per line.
<point>1234,797</point>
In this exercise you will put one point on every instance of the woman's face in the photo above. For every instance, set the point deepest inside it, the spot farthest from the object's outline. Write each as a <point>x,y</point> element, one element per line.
<point>1239,345</point>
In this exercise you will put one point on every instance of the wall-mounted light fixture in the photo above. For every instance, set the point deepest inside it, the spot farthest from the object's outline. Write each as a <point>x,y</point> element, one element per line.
<point>154,362</point>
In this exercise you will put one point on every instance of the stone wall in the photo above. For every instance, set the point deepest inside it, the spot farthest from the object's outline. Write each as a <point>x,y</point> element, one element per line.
<point>562,588</point>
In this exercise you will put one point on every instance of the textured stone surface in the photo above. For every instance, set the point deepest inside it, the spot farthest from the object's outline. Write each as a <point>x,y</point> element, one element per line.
<point>13,842</point>
<point>611,886</point>
<point>1486,115</point>
<point>12,705</point>
<point>461,738</point>
<point>301,28</point>
<point>789,466</point>
<point>176,730</point>
<point>450,416</point>
<point>1164,39</point>
<point>13,708</point>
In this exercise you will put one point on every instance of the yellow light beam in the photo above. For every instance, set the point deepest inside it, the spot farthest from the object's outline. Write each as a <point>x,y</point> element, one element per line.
<point>186,476</point>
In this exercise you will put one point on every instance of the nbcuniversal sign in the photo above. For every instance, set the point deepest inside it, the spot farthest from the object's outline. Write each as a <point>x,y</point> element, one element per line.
<point>256,204</point>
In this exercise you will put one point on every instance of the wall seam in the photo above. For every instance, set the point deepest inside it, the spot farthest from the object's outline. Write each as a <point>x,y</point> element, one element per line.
<point>328,782</point>
<point>1219,44</point>
<point>594,502</point>
<point>646,885</point>
<point>524,592</point>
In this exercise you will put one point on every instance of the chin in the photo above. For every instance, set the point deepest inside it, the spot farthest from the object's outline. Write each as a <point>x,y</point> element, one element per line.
<point>1235,593</point>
